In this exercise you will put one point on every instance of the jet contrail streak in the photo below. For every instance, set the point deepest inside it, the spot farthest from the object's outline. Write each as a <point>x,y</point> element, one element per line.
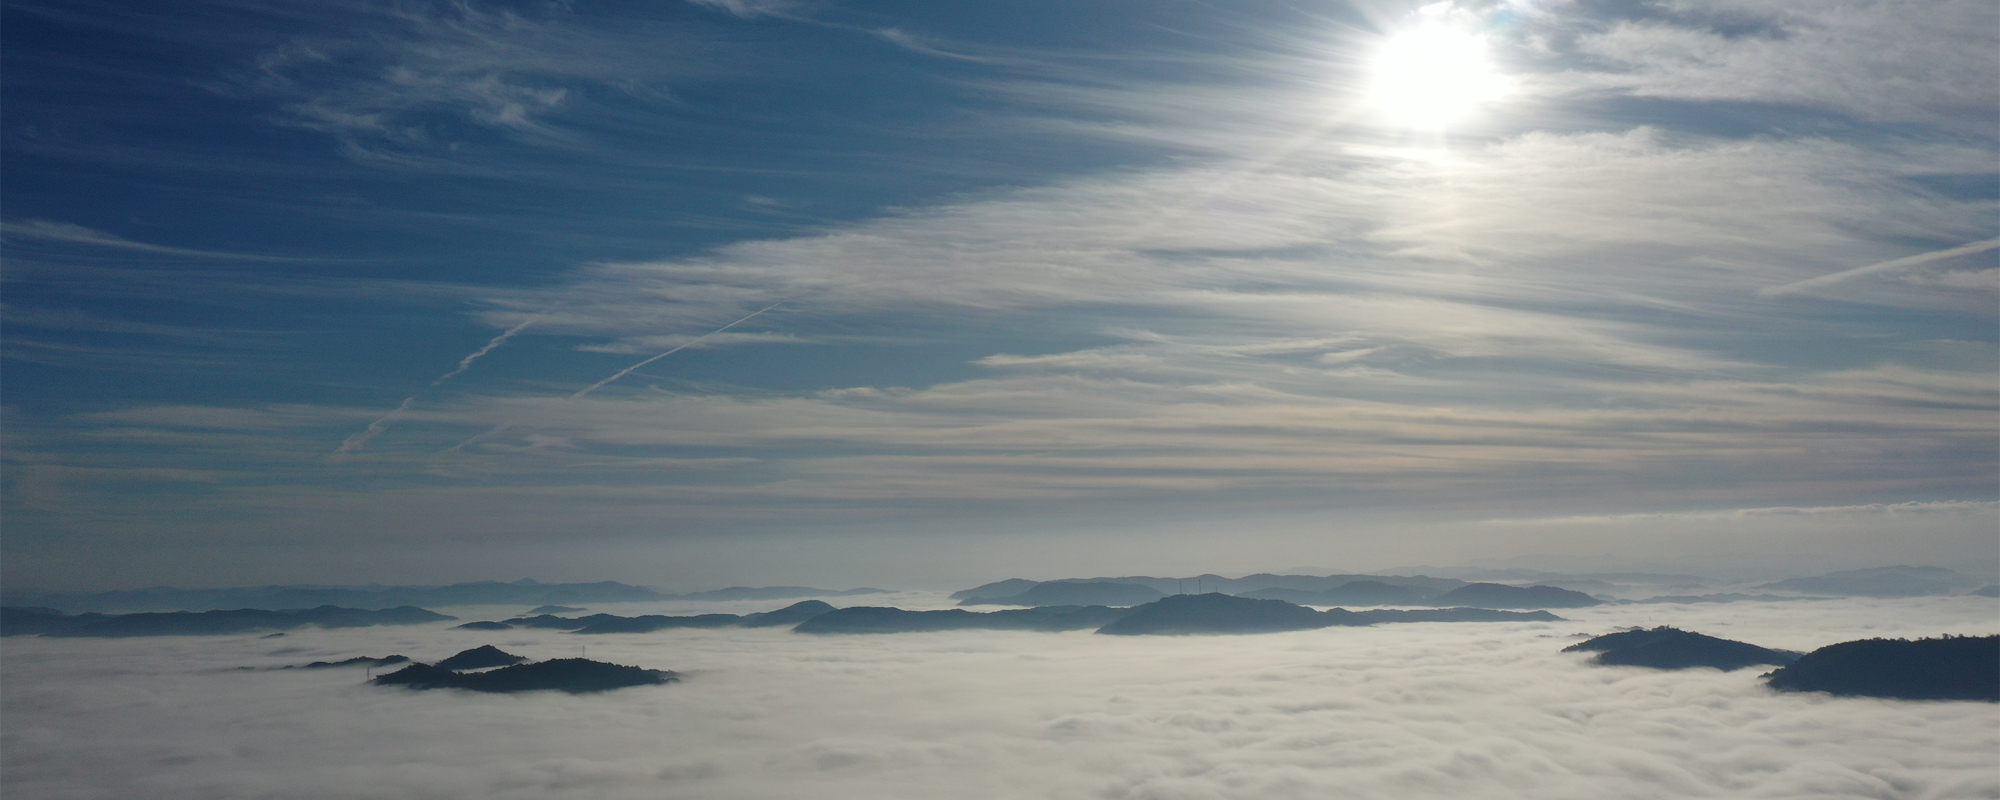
<point>626,371</point>
<point>1886,266</point>
<point>466,362</point>
<point>690,343</point>
<point>374,429</point>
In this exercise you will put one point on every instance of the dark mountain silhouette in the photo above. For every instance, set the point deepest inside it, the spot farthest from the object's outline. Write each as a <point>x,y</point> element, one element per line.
<point>1182,614</point>
<point>1006,588</point>
<point>209,623</point>
<point>561,623</point>
<point>789,615</point>
<point>1305,583</point>
<point>1220,613</point>
<point>606,623</point>
<point>1375,593</point>
<point>1496,595</point>
<point>483,626</point>
<point>1070,593</point>
<point>775,593</point>
<point>1898,581</point>
<point>573,675</point>
<point>555,610</point>
<point>357,661</point>
<point>31,621</point>
<point>479,658</point>
<point>655,622</point>
<point>1951,668</point>
<point>1456,615</point>
<point>1351,593</point>
<point>875,619</point>
<point>1672,648</point>
<point>1216,583</point>
<point>1294,596</point>
<point>1989,590</point>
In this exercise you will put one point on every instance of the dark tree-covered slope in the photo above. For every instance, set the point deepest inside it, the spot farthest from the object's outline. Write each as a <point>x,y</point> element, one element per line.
<point>1672,648</point>
<point>1221,613</point>
<point>480,658</point>
<point>1951,668</point>
<point>573,675</point>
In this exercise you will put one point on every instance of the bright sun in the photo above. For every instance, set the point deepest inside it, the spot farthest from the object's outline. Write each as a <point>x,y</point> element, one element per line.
<point>1433,75</point>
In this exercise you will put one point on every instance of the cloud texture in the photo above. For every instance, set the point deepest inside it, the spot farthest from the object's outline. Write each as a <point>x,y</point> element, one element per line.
<point>1712,255</point>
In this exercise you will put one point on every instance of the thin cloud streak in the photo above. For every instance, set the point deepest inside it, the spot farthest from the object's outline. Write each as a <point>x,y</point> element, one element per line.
<point>78,234</point>
<point>466,362</point>
<point>357,441</point>
<point>581,393</point>
<point>1892,265</point>
<point>696,340</point>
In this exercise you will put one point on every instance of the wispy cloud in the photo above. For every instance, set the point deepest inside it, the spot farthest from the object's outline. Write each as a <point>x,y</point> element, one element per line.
<point>1259,300</point>
<point>47,230</point>
<point>1874,60</point>
<point>414,82</point>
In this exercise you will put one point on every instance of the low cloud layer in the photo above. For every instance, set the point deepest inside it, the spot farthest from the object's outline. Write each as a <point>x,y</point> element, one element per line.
<point>1404,711</point>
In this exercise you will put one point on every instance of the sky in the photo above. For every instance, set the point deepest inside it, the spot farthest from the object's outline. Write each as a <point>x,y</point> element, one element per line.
<point>1446,710</point>
<point>693,294</point>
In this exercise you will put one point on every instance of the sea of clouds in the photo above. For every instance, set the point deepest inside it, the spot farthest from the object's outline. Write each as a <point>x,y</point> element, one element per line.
<point>1394,711</point>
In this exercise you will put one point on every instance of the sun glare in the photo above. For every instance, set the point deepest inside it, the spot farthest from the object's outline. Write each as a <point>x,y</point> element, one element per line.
<point>1433,75</point>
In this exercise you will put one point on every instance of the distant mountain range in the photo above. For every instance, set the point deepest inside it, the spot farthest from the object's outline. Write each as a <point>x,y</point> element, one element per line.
<point>522,592</point>
<point>1074,593</point>
<point>1203,584</point>
<point>1338,590</point>
<point>612,623</point>
<point>866,619</point>
<point>18,621</point>
<point>1173,614</point>
<point>1221,613</point>
<point>1204,613</point>
<point>1548,590</point>
<point>1898,581</point>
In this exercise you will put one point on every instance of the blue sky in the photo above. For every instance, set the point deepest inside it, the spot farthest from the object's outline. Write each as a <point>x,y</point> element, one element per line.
<point>1045,288</point>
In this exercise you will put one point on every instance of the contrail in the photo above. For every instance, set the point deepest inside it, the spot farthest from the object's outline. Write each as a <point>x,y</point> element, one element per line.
<point>689,343</point>
<point>466,362</point>
<point>374,429</point>
<point>1886,266</point>
<point>627,371</point>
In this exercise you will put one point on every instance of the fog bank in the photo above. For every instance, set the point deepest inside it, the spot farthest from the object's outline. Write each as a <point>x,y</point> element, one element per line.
<point>1466,710</point>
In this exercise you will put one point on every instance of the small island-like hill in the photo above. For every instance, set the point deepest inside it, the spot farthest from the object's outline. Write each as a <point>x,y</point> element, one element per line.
<point>572,675</point>
<point>480,658</point>
<point>1672,648</point>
